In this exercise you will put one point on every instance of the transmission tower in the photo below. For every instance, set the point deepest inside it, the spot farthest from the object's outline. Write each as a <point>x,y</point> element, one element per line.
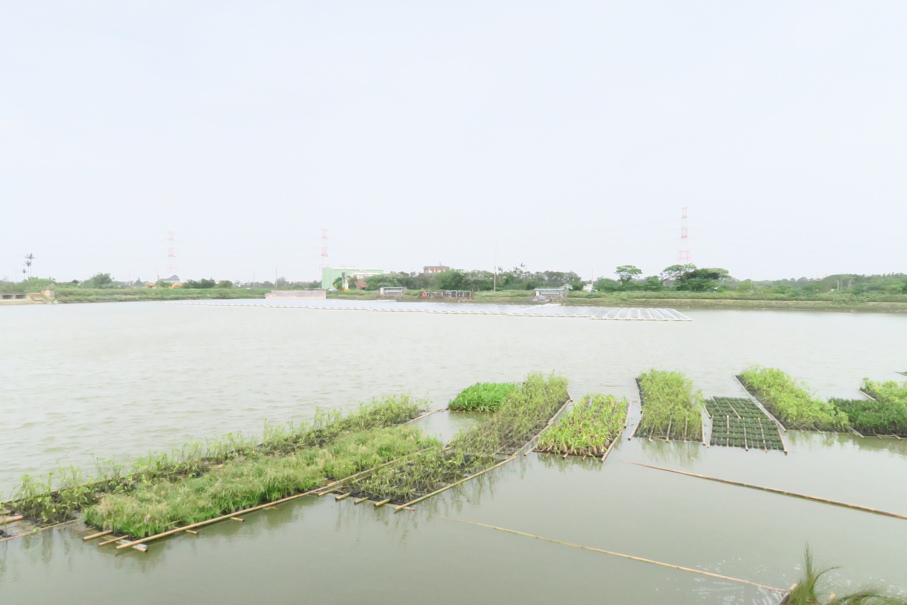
<point>684,256</point>
<point>324,248</point>
<point>170,269</point>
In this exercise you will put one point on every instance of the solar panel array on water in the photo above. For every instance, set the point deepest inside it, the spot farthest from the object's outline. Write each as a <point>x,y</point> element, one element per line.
<point>550,310</point>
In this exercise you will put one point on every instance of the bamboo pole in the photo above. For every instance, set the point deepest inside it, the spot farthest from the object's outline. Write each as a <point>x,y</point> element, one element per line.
<point>40,529</point>
<point>112,540</point>
<point>774,490</point>
<point>360,500</point>
<point>97,535</point>
<point>447,487</point>
<point>341,497</point>
<point>617,554</point>
<point>238,519</point>
<point>11,519</point>
<point>382,503</point>
<point>426,414</point>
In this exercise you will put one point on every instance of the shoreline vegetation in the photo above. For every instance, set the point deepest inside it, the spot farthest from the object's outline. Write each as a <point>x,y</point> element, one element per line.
<point>677,286</point>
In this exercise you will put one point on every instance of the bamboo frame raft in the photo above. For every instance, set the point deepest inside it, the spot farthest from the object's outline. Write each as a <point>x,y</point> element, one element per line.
<point>774,490</point>
<point>584,454</point>
<point>525,448</point>
<point>621,555</point>
<point>318,491</point>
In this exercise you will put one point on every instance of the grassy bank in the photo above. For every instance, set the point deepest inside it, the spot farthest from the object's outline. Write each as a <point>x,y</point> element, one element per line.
<point>66,491</point>
<point>84,295</point>
<point>670,408</point>
<point>791,403</point>
<point>588,429</point>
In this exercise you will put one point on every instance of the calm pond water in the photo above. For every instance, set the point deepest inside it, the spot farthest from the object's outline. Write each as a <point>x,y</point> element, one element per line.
<point>84,381</point>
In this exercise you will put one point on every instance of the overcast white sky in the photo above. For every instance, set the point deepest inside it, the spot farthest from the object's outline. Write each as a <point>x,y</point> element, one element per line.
<point>562,135</point>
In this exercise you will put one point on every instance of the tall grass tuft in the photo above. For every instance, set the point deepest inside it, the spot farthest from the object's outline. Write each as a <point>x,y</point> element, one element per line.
<point>808,592</point>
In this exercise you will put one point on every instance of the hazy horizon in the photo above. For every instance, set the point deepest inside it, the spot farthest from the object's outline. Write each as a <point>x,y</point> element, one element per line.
<point>563,136</point>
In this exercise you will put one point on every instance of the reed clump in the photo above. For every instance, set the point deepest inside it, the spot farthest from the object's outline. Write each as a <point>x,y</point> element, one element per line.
<point>60,494</point>
<point>482,397</point>
<point>670,408</point>
<point>521,416</point>
<point>791,403</point>
<point>251,480</point>
<point>808,591</point>
<point>588,429</point>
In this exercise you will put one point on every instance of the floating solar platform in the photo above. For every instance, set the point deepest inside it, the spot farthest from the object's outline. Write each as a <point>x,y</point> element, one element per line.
<point>549,310</point>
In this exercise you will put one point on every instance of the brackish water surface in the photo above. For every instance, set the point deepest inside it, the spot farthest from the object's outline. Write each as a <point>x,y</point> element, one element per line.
<point>82,381</point>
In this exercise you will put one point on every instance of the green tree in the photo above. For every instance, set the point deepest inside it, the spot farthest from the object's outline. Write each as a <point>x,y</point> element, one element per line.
<point>99,280</point>
<point>605,284</point>
<point>653,284</point>
<point>700,280</point>
<point>225,283</point>
<point>676,273</point>
<point>626,273</point>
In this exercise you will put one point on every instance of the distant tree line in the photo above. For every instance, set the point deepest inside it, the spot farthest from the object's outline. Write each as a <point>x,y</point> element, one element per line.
<point>626,278</point>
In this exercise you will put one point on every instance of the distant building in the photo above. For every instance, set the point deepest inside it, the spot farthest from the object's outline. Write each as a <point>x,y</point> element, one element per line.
<point>352,276</point>
<point>432,269</point>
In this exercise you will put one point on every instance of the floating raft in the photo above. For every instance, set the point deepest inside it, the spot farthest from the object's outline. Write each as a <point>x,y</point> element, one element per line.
<point>550,310</point>
<point>739,422</point>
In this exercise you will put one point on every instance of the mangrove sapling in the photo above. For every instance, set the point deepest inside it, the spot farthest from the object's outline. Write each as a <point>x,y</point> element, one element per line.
<point>790,402</point>
<point>588,429</point>
<point>482,397</point>
<point>670,408</point>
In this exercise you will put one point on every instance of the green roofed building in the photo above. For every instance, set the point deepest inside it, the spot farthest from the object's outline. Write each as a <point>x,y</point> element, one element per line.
<point>350,274</point>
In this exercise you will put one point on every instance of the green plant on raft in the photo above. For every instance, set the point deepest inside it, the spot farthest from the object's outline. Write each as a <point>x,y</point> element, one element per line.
<point>791,403</point>
<point>482,397</point>
<point>53,502</point>
<point>807,591</point>
<point>589,427</point>
<point>521,416</point>
<point>246,482</point>
<point>670,408</point>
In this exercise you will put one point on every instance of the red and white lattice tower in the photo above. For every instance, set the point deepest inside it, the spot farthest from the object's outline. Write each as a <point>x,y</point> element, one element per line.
<point>170,269</point>
<point>684,256</point>
<point>324,248</point>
